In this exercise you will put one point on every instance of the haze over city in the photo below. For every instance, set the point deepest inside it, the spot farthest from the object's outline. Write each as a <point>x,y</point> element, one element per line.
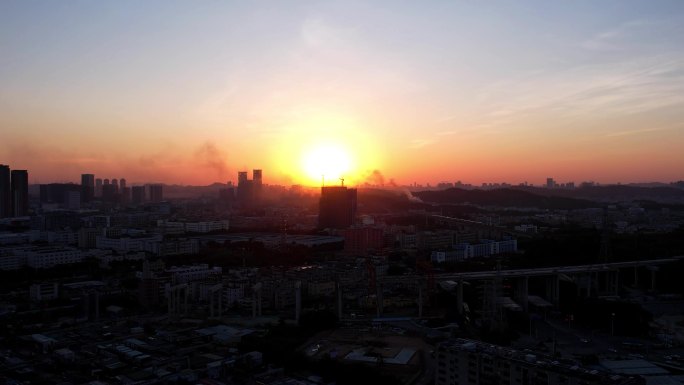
<point>341,192</point>
<point>189,93</point>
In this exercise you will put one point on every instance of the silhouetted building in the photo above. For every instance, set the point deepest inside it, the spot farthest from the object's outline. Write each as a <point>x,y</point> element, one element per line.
<point>87,187</point>
<point>59,193</point>
<point>5,192</point>
<point>20,198</point>
<point>156,193</point>
<point>124,194</point>
<point>256,176</point>
<point>98,187</point>
<point>249,191</point>
<point>337,207</point>
<point>109,194</point>
<point>115,183</point>
<point>138,195</point>
<point>122,183</point>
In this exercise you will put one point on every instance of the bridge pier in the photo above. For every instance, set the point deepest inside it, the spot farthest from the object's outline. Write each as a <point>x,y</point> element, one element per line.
<point>653,270</point>
<point>636,276</point>
<point>521,292</point>
<point>612,282</point>
<point>553,289</point>
<point>459,297</point>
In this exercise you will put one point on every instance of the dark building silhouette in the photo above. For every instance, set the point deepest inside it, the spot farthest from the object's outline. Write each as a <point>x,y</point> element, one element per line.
<point>256,176</point>
<point>138,195</point>
<point>19,191</point>
<point>87,187</point>
<point>5,192</point>
<point>337,208</point>
<point>109,193</point>
<point>98,187</point>
<point>249,191</point>
<point>125,194</point>
<point>156,193</point>
<point>59,193</point>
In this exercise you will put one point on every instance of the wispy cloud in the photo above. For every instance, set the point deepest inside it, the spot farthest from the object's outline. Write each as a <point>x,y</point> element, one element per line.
<point>420,143</point>
<point>640,131</point>
<point>638,85</point>
<point>614,39</point>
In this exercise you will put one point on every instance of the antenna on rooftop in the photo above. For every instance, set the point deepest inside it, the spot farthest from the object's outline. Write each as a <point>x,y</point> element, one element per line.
<point>342,180</point>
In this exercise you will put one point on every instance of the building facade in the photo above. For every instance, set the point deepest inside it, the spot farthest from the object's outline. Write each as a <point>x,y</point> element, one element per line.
<point>337,207</point>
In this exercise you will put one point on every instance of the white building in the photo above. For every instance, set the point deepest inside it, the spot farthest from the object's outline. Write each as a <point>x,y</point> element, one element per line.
<point>185,274</point>
<point>193,227</point>
<point>47,257</point>
<point>465,251</point>
<point>127,243</point>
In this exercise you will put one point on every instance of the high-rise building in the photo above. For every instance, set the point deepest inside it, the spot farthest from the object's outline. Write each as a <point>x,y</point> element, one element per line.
<point>337,207</point>
<point>87,187</point>
<point>256,176</point>
<point>115,183</point>
<point>138,195</point>
<point>249,192</point>
<point>105,182</point>
<point>122,183</point>
<point>5,192</point>
<point>550,183</point>
<point>19,191</point>
<point>156,193</point>
<point>98,187</point>
<point>125,194</point>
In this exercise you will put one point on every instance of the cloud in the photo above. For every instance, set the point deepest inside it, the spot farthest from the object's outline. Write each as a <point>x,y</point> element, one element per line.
<point>606,89</point>
<point>614,39</point>
<point>639,131</point>
<point>420,143</point>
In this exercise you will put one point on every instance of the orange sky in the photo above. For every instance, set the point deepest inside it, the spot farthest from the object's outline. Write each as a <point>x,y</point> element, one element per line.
<point>191,94</point>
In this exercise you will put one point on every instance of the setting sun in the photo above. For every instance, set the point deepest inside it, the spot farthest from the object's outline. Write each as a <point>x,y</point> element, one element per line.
<point>327,161</point>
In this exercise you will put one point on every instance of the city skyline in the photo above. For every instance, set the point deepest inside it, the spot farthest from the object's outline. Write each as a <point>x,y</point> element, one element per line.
<point>342,192</point>
<point>191,94</point>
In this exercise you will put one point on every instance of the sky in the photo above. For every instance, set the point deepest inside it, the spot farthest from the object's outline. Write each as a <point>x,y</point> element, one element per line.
<point>397,91</point>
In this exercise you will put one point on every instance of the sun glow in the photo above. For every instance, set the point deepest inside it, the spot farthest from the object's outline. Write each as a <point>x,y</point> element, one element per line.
<point>327,162</point>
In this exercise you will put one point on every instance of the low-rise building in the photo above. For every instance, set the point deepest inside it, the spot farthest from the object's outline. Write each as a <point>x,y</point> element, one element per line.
<point>469,362</point>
